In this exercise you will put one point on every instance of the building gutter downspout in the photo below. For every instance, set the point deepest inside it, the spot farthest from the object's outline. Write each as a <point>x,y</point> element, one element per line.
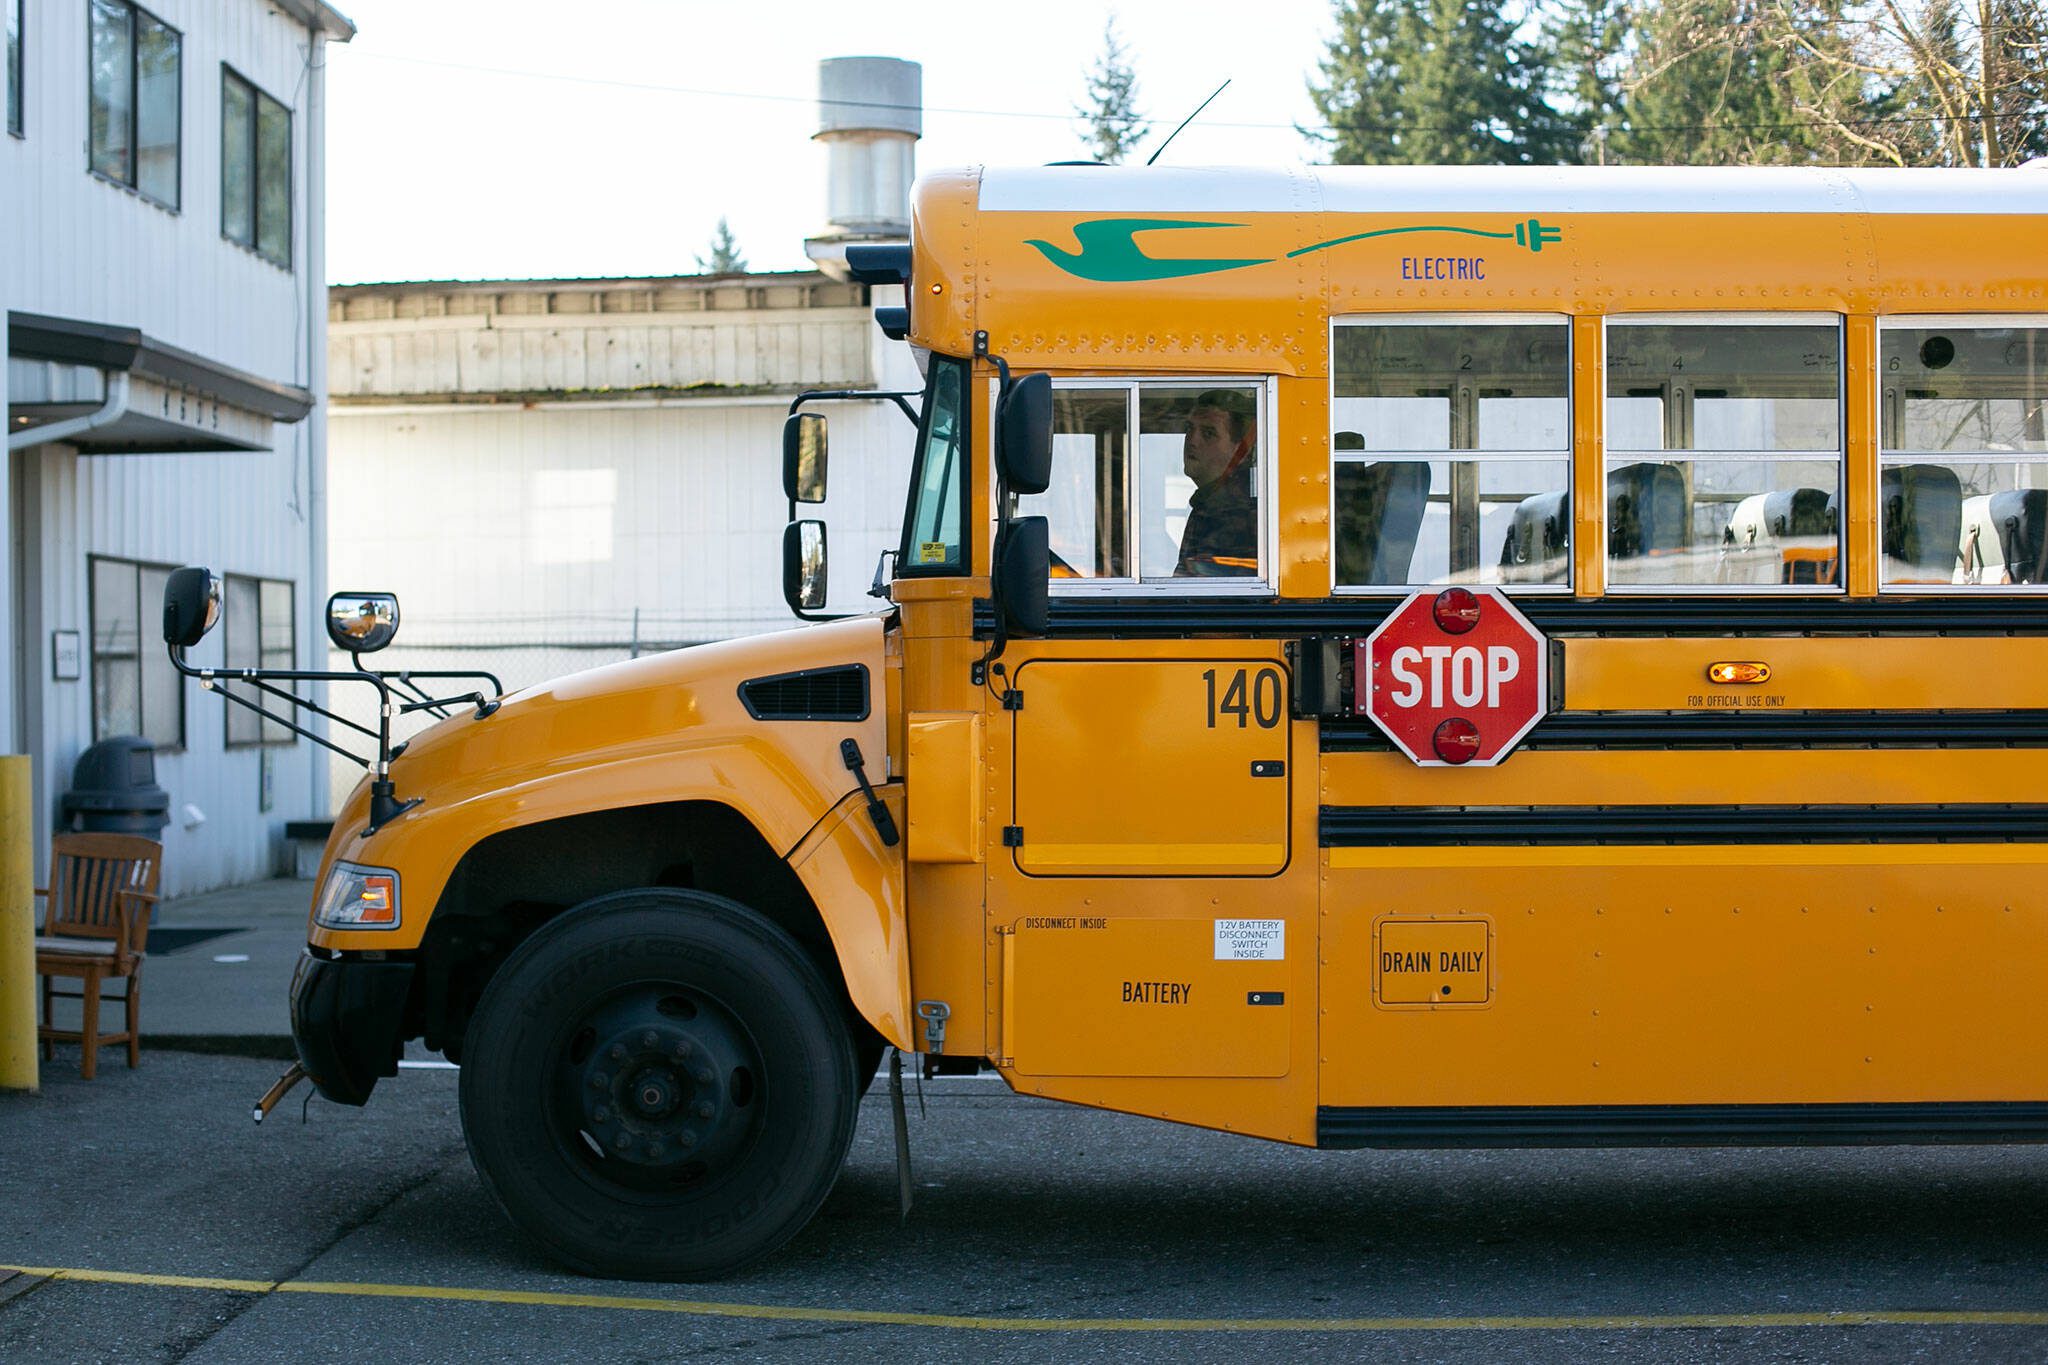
<point>109,412</point>
<point>318,799</point>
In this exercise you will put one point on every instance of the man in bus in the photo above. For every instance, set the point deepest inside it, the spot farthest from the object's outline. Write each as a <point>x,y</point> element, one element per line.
<point>1222,535</point>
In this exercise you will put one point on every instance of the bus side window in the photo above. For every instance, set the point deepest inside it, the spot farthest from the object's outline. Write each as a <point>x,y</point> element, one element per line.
<point>1443,427</point>
<point>1964,451</point>
<point>1717,430</point>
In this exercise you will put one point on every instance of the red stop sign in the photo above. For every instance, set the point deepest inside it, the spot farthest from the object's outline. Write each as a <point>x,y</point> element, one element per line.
<point>1455,676</point>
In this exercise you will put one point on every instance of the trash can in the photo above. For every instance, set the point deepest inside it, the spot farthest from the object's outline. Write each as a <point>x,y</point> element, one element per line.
<point>114,790</point>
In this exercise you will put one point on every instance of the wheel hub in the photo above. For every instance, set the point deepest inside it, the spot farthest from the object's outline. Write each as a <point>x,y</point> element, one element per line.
<point>655,1088</point>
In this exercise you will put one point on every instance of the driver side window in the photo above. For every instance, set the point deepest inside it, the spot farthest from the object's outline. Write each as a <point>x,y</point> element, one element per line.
<point>1156,483</point>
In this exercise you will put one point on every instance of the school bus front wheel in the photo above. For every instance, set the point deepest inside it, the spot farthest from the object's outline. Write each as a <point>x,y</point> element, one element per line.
<point>659,1084</point>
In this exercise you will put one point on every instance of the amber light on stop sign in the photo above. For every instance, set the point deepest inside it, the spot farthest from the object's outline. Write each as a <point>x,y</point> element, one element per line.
<point>1456,740</point>
<point>1456,610</point>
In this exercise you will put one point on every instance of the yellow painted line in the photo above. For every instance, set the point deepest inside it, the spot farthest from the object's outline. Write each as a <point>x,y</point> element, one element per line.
<point>882,1318</point>
<point>52,1272</point>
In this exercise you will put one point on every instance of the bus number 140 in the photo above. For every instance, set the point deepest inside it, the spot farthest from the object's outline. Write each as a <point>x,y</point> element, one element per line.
<point>1255,700</point>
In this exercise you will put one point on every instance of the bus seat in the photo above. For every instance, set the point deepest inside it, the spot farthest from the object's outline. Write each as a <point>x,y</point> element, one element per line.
<point>1539,541</point>
<point>2020,518</point>
<point>1785,537</point>
<point>1646,511</point>
<point>1379,517</point>
<point>1923,522</point>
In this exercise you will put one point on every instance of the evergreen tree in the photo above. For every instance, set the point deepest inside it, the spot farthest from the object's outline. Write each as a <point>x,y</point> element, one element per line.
<point>1435,82</point>
<point>1585,38</point>
<point>726,257</point>
<point>1113,127</point>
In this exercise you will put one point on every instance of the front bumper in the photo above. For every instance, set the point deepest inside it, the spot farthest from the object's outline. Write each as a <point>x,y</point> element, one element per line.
<point>348,1023</point>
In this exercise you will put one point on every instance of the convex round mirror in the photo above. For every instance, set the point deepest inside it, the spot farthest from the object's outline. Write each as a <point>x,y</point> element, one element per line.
<point>362,622</point>
<point>803,457</point>
<point>191,606</point>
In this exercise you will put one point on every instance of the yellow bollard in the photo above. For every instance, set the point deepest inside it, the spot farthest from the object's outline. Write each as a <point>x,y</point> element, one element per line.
<point>17,929</point>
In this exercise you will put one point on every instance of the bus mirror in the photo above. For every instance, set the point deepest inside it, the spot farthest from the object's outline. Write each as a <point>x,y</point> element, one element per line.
<point>803,457</point>
<point>1024,435</point>
<point>1021,577</point>
<point>191,606</point>
<point>803,566</point>
<point>362,622</point>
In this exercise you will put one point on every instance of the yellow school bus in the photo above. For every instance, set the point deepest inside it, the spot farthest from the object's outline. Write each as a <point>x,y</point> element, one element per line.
<point>1146,788</point>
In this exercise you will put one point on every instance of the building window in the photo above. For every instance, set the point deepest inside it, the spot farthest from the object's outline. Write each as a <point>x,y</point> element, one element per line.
<point>258,632</point>
<point>1964,473</point>
<point>134,115</point>
<point>1157,482</point>
<point>255,169</point>
<point>1450,449</point>
<point>135,691</point>
<point>15,27</point>
<point>1724,453</point>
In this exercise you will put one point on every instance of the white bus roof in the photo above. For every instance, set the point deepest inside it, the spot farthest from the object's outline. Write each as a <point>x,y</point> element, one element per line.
<point>1511,189</point>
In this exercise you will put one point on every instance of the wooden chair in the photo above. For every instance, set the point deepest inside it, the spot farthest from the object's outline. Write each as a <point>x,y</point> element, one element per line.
<point>95,926</point>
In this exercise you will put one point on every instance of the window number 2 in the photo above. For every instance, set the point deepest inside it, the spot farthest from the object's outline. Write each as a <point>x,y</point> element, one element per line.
<point>1252,700</point>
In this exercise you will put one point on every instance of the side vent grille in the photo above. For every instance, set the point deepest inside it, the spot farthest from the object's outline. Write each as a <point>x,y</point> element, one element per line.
<point>838,693</point>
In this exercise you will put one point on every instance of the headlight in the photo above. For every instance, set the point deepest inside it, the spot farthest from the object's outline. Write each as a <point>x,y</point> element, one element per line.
<point>355,897</point>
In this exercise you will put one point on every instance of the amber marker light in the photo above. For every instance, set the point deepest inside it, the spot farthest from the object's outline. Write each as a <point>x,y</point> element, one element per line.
<point>1739,672</point>
<point>377,901</point>
<point>1456,610</point>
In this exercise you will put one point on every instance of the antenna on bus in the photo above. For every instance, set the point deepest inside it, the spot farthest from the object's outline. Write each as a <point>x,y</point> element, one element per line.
<point>1186,121</point>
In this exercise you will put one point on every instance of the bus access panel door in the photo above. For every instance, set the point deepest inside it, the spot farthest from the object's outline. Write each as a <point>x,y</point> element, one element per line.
<point>1153,925</point>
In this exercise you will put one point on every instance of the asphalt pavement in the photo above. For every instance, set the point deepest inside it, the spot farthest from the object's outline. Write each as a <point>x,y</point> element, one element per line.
<point>146,1218</point>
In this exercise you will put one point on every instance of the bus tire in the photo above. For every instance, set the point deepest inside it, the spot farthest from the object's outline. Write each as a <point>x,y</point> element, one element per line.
<point>659,1084</point>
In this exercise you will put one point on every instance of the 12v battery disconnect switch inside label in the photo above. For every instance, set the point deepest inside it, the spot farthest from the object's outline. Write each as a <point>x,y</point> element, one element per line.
<point>1251,940</point>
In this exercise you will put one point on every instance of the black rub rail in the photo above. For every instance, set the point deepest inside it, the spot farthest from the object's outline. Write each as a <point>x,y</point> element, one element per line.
<point>1428,826</point>
<point>1278,618</point>
<point>1681,1125</point>
<point>1740,730</point>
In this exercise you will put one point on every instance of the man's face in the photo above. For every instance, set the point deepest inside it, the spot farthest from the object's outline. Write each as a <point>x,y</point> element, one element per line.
<point>1209,446</point>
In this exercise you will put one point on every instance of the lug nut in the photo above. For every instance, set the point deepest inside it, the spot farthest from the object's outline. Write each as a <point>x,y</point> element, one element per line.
<point>618,1053</point>
<point>599,1080</point>
<point>686,1138</point>
<point>656,1151</point>
<point>625,1141</point>
<point>703,1075</point>
<point>705,1111</point>
<point>647,1039</point>
<point>601,1114</point>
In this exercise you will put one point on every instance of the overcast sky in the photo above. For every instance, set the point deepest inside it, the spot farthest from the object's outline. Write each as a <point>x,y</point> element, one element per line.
<point>508,139</point>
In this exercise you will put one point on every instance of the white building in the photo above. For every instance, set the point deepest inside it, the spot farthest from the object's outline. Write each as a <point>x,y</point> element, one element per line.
<point>161,197</point>
<point>572,471</point>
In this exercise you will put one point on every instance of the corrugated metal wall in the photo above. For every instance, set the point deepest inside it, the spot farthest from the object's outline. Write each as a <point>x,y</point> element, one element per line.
<point>80,247</point>
<point>233,512</point>
<point>555,524</point>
